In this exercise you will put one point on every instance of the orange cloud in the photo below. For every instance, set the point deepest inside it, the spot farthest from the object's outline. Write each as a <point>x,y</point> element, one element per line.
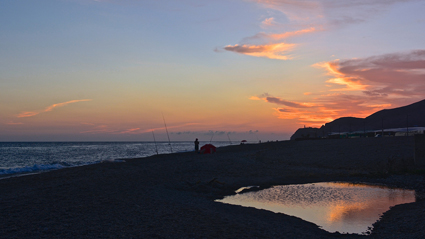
<point>324,108</point>
<point>279,36</point>
<point>14,123</point>
<point>130,131</point>
<point>27,114</point>
<point>307,116</point>
<point>137,130</point>
<point>291,34</point>
<point>331,67</point>
<point>272,51</point>
<point>288,113</point>
<point>313,16</point>
<point>332,13</point>
<point>351,83</point>
<point>384,76</point>
<point>371,84</point>
<point>49,108</point>
<point>268,22</point>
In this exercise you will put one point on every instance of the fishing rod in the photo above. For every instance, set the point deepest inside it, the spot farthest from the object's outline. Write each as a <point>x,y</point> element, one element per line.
<point>212,137</point>
<point>229,139</point>
<point>154,140</point>
<point>169,141</point>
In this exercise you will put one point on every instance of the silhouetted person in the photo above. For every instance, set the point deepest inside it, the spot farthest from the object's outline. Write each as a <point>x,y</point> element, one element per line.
<point>196,145</point>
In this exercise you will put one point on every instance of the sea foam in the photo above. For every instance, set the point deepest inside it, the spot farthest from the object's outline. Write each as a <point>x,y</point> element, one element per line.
<point>29,169</point>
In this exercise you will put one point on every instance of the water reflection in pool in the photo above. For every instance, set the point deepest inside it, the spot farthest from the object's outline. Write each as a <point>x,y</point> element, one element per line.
<point>343,207</point>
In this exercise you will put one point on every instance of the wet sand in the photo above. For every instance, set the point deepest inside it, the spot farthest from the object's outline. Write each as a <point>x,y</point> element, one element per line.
<point>172,196</point>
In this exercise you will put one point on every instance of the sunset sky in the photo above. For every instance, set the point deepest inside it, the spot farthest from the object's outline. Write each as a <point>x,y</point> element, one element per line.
<point>84,70</point>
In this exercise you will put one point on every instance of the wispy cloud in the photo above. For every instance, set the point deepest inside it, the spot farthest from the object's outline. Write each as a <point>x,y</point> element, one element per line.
<point>49,108</point>
<point>306,16</point>
<point>27,114</point>
<point>279,101</point>
<point>268,22</point>
<point>328,13</point>
<point>272,51</point>
<point>103,128</point>
<point>370,84</point>
<point>128,131</point>
<point>14,123</point>
<point>390,75</point>
<point>280,36</point>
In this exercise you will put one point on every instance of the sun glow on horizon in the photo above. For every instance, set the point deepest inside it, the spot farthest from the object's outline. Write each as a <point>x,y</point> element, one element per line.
<point>268,66</point>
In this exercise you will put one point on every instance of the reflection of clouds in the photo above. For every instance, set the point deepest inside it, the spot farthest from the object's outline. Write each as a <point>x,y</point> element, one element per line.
<point>342,210</point>
<point>337,203</point>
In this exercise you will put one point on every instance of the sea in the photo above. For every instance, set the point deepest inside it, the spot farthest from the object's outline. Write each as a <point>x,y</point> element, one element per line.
<point>20,158</point>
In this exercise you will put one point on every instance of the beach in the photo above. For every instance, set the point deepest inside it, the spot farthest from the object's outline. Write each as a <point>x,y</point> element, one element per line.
<point>172,195</point>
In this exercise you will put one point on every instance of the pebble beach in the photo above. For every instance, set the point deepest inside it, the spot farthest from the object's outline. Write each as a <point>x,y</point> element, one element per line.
<point>172,195</point>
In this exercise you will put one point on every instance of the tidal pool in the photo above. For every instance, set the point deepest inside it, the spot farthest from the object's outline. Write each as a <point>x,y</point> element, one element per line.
<point>333,206</point>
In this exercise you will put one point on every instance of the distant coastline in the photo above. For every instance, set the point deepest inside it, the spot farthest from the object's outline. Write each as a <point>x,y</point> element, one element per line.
<point>402,121</point>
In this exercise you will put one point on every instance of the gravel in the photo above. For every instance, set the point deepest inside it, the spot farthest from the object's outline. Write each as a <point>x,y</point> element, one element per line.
<point>172,195</point>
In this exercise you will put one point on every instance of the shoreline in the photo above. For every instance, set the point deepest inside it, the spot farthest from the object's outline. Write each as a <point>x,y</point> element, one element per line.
<point>172,195</point>
<point>41,167</point>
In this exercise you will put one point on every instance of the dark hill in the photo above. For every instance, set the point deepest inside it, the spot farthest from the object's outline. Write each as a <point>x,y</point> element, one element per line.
<point>412,115</point>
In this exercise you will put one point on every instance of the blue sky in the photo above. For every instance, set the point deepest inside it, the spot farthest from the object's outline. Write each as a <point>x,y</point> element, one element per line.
<point>108,70</point>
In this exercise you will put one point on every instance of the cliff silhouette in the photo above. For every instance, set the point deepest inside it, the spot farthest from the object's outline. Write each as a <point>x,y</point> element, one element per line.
<point>412,115</point>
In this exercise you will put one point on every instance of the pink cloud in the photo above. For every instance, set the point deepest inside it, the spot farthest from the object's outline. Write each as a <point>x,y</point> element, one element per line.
<point>49,108</point>
<point>27,114</point>
<point>268,22</point>
<point>14,123</point>
<point>390,75</point>
<point>129,131</point>
<point>272,51</point>
<point>329,13</point>
<point>279,36</point>
<point>328,108</point>
<point>306,16</point>
<point>291,34</point>
<point>96,129</point>
<point>371,84</point>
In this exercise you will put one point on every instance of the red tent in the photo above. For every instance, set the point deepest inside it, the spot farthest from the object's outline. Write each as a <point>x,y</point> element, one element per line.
<point>208,149</point>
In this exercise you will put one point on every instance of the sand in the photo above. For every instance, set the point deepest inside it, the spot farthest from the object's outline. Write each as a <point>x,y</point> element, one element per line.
<point>172,195</point>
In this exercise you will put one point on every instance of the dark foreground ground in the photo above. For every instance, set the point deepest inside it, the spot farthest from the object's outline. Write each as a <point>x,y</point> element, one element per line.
<point>172,196</point>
